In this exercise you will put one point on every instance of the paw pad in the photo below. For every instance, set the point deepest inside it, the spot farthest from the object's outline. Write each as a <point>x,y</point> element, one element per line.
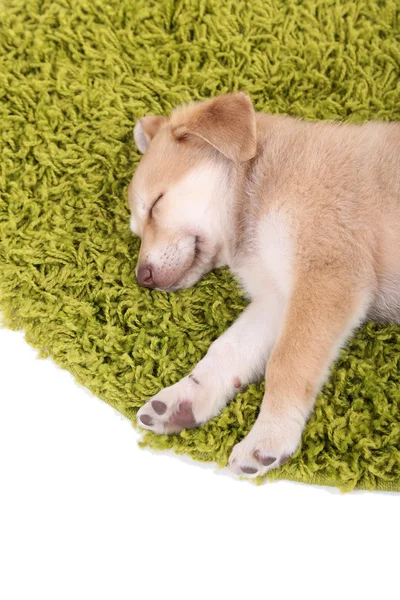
<point>159,407</point>
<point>146,420</point>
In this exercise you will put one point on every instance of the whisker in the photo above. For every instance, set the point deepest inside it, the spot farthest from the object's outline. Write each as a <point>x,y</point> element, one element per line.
<point>140,198</point>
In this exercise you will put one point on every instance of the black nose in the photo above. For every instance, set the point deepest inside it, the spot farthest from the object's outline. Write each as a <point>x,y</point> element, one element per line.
<point>145,276</point>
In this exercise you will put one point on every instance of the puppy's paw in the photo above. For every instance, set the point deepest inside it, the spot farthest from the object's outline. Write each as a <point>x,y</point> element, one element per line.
<point>269,444</point>
<point>185,405</point>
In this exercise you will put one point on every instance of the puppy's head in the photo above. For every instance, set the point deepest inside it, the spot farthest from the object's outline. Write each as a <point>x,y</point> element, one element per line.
<point>179,194</point>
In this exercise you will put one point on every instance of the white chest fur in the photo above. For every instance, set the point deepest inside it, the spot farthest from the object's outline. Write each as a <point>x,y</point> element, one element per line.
<point>269,266</point>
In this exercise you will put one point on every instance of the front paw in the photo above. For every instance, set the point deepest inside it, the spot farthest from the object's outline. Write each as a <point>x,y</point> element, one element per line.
<point>269,444</point>
<point>184,405</point>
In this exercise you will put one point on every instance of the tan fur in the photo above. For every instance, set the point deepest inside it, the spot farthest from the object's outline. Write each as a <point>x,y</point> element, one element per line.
<point>308,216</point>
<point>227,123</point>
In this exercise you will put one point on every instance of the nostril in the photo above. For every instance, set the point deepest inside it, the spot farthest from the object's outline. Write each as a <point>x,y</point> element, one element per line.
<point>145,276</point>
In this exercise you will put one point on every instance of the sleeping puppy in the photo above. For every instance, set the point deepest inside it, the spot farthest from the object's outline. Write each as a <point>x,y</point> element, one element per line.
<point>306,215</point>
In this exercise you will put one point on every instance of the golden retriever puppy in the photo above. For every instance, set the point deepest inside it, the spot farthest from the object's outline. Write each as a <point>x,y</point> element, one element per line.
<point>306,215</point>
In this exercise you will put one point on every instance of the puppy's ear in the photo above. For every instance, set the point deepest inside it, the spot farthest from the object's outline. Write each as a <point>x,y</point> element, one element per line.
<point>145,129</point>
<point>226,122</point>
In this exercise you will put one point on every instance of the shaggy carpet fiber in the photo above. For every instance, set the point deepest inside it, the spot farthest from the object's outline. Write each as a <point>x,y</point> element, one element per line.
<point>75,75</point>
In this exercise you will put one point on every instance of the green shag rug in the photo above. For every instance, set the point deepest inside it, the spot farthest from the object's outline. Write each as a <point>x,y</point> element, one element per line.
<point>75,75</point>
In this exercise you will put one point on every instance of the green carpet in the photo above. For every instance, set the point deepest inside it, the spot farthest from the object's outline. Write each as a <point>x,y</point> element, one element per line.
<point>75,75</point>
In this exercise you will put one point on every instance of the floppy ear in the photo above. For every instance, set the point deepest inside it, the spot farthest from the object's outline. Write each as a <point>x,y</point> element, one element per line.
<point>145,129</point>
<point>226,122</point>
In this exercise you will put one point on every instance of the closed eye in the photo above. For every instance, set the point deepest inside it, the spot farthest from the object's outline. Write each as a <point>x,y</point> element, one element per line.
<point>154,203</point>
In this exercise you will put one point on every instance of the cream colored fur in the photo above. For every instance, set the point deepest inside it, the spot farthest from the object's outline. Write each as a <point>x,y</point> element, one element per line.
<point>307,215</point>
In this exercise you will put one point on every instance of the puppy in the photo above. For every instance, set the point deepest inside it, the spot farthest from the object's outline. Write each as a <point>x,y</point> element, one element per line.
<point>306,215</point>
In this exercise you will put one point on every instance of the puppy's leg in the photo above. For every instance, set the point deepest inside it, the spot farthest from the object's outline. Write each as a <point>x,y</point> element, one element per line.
<point>235,359</point>
<point>322,312</point>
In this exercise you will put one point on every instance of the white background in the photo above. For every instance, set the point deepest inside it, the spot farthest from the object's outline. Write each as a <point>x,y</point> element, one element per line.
<point>86,514</point>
